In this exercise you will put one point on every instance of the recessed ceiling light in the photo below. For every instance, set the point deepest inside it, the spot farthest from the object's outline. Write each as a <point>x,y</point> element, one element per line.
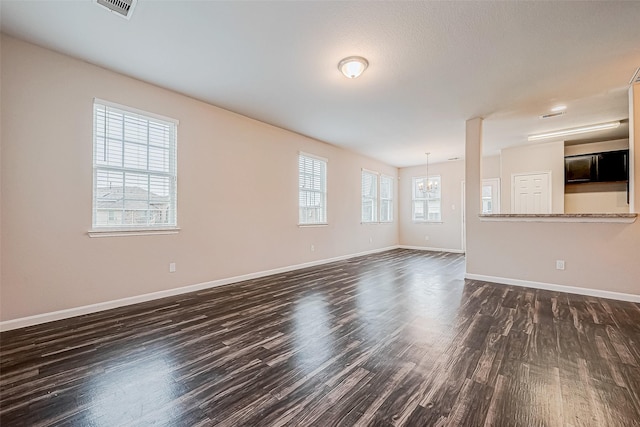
<point>574,131</point>
<point>353,66</point>
<point>558,108</point>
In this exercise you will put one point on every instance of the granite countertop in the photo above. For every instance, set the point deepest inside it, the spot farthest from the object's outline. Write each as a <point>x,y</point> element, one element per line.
<point>583,217</point>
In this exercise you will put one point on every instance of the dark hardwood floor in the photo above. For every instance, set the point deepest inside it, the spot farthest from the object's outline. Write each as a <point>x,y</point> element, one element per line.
<point>392,339</point>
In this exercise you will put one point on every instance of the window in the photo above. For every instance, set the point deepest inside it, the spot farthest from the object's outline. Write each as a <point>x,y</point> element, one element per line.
<point>491,196</point>
<point>377,197</point>
<point>369,196</point>
<point>312,196</point>
<point>386,198</point>
<point>426,199</point>
<point>134,169</point>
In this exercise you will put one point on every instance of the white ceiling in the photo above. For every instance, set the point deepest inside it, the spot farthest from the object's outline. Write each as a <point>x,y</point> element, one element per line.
<point>433,65</point>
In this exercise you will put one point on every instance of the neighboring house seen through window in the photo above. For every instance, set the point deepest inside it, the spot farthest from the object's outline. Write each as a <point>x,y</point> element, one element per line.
<point>134,169</point>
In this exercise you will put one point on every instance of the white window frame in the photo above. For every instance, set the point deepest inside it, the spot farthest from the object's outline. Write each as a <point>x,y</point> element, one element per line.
<point>168,174</point>
<point>388,199</point>
<point>494,184</point>
<point>307,190</point>
<point>377,200</point>
<point>424,198</point>
<point>369,201</point>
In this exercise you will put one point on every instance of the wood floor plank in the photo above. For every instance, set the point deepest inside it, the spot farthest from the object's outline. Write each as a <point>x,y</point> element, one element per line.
<point>396,338</point>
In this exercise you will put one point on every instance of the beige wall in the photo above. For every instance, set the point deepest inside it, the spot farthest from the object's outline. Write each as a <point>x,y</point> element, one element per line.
<point>597,201</point>
<point>491,167</point>
<point>447,234</point>
<point>596,147</point>
<point>48,261</point>
<point>599,256</point>
<point>539,157</point>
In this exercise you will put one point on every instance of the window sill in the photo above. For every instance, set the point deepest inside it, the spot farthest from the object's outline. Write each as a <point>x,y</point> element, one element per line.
<point>131,232</point>
<point>376,223</point>
<point>428,222</point>
<point>603,218</point>
<point>324,224</point>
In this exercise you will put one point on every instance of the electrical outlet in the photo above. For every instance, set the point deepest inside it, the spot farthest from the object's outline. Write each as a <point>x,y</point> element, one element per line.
<point>370,239</point>
<point>426,237</point>
<point>313,248</point>
<point>172,267</point>
<point>560,264</point>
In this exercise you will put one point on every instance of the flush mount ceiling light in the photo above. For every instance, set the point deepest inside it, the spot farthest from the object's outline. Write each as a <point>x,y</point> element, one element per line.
<point>353,66</point>
<point>574,131</point>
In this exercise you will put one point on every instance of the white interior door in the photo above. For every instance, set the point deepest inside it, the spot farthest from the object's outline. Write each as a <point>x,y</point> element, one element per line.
<point>531,193</point>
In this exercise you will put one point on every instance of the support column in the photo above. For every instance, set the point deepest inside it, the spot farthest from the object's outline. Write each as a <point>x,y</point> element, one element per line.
<point>634,148</point>
<point>473,183</point>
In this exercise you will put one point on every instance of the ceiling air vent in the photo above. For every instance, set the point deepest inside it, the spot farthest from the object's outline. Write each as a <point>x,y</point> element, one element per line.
<point>123,8</point>
<point>549,115</point>
<point>636,77</point>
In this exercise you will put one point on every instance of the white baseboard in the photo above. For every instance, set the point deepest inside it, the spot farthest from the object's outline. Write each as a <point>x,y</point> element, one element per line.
<point>424,248</point>
<point>23,322</point>
<point>558,288</point>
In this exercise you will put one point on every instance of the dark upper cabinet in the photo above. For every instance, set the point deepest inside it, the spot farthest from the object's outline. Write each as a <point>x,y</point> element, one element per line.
<point>612,166</point>
<point>580,169</point>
